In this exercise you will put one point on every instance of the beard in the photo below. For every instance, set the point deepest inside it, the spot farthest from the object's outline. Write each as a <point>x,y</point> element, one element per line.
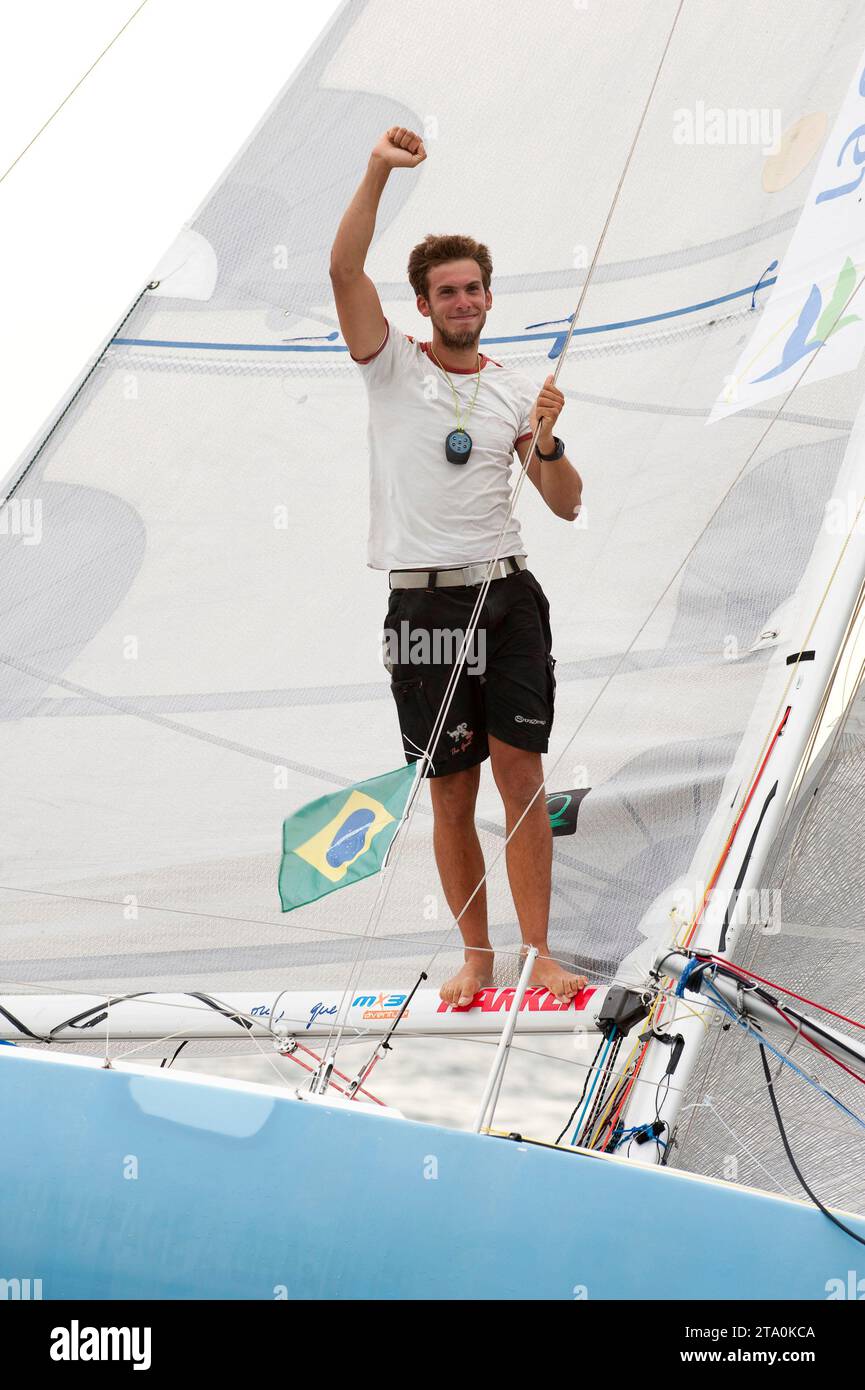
<point>455,338</point>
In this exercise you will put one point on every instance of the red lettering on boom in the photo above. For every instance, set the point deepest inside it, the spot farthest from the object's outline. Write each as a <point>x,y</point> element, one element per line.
<point>536,999</point>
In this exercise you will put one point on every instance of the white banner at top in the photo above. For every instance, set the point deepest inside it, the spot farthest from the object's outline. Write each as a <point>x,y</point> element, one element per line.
<point>810,306</point>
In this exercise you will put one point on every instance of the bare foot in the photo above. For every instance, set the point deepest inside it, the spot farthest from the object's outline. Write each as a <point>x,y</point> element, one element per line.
<point>462,987</point>
<point>556,979</point>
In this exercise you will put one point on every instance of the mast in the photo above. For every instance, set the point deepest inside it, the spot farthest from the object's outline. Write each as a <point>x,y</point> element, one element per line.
<point>813,653</point>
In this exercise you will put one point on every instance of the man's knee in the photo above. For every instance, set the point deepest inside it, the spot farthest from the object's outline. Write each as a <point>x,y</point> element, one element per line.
<point>518,774</point>
<point>455,794</point>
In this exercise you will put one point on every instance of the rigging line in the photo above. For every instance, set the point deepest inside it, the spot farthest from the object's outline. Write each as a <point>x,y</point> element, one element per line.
<point>789,1152</point>
<point>447,699</point>
<point>269,1057</point>
<point>299,1047</point>
<point>741,1098</point>
<point>626,1071</point>
<point>367,935</point>
<point>642,1047</point>
<point>176,1054</point>
<point>237,1015</point>
<point>706,1103</point>
<point>798,1035</point>
<point>156,1000</point>
<point>732,966</point>
<point>71,93</point>
<point>608,1075</point>
<point>598,1071</point>
<point>605,1124</point>
<point>248,1023</point>
<point>787,1061</point>
<point>494,1042</point>
<point>13,485</point>
<point>710,1055</point>
<point>383,1046</point>
<point>290,1057</point>
<point>148,1045</point>
<point>210,916</point>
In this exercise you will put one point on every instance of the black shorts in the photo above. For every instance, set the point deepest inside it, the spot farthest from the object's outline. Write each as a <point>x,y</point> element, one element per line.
<point>507,686</point>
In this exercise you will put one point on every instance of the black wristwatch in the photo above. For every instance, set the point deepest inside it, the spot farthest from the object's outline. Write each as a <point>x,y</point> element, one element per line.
<point>557,453</point>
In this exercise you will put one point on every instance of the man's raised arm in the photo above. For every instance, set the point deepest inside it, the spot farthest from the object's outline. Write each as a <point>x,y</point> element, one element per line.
<point>358,306</point>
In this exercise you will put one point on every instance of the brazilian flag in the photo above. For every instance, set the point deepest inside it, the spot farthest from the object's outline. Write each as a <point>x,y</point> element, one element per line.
<point>341,837</point>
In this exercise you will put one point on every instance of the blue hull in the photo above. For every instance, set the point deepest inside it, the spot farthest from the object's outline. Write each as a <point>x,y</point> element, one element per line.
<point>244,1194</point>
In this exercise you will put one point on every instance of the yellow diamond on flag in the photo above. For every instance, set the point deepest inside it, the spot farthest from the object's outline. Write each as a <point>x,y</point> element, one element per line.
<point>342,836</point>
<point>347,836</point>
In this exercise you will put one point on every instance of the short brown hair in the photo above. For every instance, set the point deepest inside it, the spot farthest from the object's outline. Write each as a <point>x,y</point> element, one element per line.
<point>435,250</point>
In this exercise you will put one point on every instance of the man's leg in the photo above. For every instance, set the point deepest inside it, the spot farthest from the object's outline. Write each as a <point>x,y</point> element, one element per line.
<point>518,774</point>
<point>460,863</point>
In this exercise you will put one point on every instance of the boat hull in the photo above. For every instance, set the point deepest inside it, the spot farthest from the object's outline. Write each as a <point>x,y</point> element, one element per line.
<point>138,1184</point>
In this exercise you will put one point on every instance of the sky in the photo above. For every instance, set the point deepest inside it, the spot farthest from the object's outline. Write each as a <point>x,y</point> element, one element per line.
<point>89,208</point>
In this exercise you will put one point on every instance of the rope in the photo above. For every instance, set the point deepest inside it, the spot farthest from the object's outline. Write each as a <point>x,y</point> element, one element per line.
<point>598,1071</point>
<point>789,1152</point>
<point>68,406</point>
<point>782,1057</point>
<point>71,93</point>
<point>802,999</point>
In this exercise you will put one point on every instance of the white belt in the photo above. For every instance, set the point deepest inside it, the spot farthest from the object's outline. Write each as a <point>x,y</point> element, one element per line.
<point>465,574</point>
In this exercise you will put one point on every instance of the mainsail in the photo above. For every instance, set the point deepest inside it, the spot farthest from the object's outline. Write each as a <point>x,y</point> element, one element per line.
<point>190,648</point>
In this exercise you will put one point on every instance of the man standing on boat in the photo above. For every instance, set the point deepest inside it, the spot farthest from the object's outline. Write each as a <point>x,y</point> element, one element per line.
<point>440,493</point>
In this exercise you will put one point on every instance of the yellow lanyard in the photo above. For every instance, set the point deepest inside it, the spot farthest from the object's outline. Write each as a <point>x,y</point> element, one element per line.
<point>456,397</point>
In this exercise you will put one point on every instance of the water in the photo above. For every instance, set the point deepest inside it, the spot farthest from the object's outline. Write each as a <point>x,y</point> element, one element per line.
<point>441,1080</point>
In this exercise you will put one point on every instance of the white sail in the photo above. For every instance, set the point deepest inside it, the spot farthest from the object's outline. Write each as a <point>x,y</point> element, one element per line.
<point>191,651</point>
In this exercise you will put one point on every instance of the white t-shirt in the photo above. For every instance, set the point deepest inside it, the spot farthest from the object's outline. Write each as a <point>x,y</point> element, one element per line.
<point>425,511</point>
